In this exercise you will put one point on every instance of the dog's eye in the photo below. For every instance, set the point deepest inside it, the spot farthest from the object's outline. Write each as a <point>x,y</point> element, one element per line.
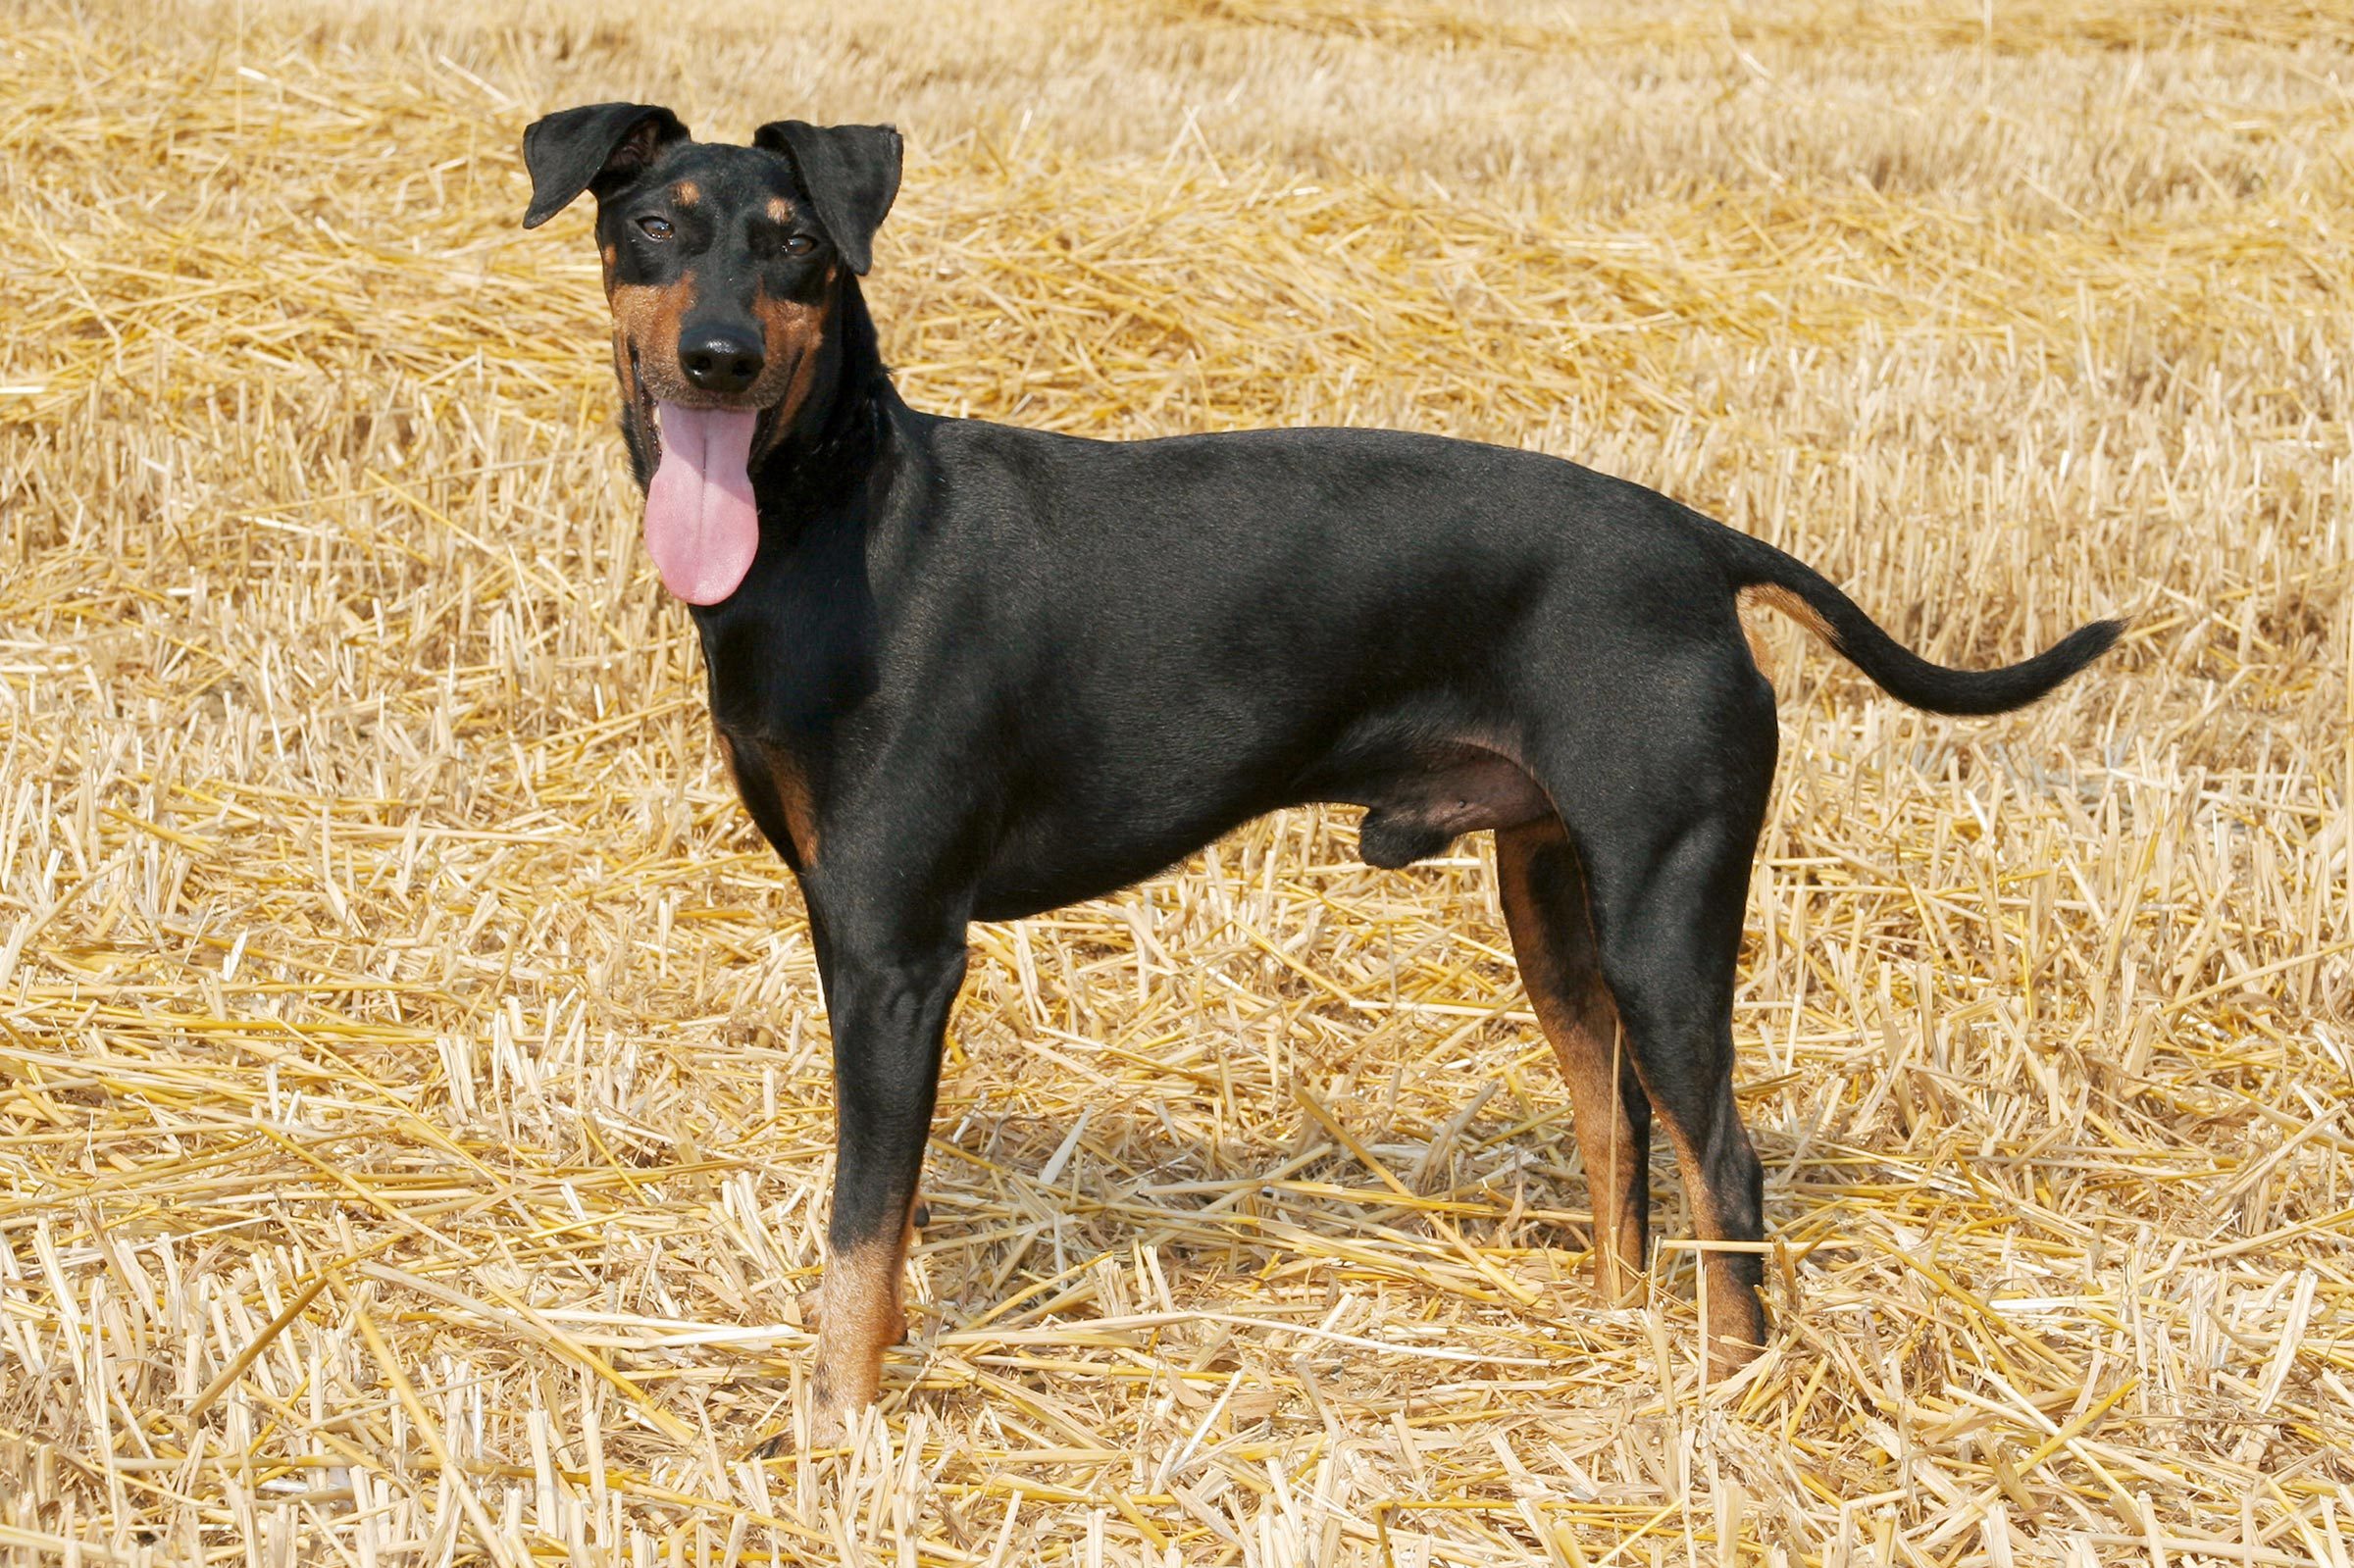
<point>800,245</point>
<point>655,227</point>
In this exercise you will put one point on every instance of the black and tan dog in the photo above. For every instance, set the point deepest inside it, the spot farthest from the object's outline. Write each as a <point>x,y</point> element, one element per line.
<point>965,671</point>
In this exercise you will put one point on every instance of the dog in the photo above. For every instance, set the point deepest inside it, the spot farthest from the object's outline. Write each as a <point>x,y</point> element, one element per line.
<point>962,671</point>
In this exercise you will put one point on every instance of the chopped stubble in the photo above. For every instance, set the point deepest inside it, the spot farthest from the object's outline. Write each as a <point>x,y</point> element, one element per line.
<point>375,908</point>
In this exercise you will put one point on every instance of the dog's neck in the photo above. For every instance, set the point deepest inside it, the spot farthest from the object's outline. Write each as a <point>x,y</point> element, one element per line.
<point>839,432</point>
<point>820,490</point>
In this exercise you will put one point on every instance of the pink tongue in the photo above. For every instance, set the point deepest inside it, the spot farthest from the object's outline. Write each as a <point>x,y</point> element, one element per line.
<point>701,526</point>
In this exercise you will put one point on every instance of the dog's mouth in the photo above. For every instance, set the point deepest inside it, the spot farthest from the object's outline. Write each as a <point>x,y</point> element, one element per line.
<point>701,522</point>
<point>702,526</point>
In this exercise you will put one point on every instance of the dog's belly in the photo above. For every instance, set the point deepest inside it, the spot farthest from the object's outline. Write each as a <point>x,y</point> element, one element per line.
<point>1049,858</point>
<point>1418,799</point>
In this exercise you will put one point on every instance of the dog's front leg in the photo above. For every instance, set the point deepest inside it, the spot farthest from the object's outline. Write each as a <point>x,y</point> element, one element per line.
<point>889,996</point>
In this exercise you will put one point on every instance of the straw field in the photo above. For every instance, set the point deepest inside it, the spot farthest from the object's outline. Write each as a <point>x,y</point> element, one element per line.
<point>415,1117</point>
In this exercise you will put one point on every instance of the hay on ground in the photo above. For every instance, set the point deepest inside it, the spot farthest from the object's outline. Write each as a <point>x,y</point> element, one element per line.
<point>414,1103</point>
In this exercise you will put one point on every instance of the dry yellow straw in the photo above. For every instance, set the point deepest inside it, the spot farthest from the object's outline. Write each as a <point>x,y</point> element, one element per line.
<point>372,899</point>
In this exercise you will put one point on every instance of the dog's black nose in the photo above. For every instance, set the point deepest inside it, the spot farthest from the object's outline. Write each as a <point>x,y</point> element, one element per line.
<point>721,360</point>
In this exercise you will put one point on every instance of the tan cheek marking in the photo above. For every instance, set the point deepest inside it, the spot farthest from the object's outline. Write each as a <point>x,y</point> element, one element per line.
<point>792,333</point>
<point>624,372</point>
<point>645,317</point>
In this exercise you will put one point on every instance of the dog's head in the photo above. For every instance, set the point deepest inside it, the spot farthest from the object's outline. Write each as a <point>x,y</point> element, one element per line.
<point>724,266</point>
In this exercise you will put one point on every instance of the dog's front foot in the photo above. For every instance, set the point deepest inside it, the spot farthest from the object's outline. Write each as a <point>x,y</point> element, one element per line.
<point>842,1385</point>
<point>860,1314</point>
<point>833,1413</point>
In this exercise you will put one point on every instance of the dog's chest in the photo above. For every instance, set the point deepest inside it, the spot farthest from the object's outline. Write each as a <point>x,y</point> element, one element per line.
<point>781,687</point>
<point>793,654</point>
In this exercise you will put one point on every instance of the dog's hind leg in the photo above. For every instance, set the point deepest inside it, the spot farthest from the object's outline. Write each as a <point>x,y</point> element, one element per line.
<point>1543,891</point>
<point>1665,831</point>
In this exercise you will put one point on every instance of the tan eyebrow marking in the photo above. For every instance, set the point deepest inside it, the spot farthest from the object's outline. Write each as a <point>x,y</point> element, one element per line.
<point>687,192</point>
<point>779,209</point>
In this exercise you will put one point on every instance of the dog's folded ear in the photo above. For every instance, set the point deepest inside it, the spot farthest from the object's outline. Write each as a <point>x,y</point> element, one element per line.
<point>591,148</point>
<point>850,172</point>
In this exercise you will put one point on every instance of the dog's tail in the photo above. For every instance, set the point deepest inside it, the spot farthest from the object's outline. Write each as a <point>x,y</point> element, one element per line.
<point>1798,590</point>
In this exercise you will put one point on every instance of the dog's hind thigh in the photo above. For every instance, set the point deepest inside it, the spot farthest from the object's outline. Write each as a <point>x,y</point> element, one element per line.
<point>1543,891</point>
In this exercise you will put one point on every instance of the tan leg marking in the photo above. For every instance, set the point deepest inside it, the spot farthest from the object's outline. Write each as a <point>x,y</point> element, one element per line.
<point>1753,631</point>
<point>1582,1021</point>
<point>861,1312</point>
<point>1735,1320</point>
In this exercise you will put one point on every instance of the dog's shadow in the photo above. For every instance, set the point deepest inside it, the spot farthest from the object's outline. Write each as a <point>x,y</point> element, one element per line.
<point>1023,1201</point>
